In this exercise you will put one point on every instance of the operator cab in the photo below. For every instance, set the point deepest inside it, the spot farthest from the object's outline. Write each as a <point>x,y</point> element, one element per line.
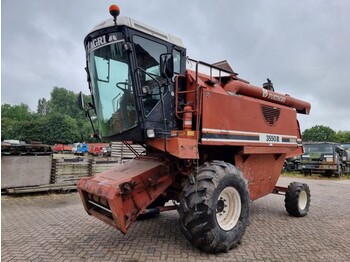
<point>130,69</point>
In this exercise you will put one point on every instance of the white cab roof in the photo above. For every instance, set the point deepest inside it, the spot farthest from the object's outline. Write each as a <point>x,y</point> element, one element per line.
<point>127,21</point>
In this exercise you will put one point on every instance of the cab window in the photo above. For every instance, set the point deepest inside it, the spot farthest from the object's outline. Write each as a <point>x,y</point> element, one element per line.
<point>177,59</point>
<point>147,54</point>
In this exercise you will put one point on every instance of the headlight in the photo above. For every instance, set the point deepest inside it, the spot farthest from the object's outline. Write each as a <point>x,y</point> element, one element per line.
<point>328,158</point>
<point>150,133</point>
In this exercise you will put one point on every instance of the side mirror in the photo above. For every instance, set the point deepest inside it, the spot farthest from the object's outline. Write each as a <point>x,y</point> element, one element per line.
<point>339,149</point>
<point>146,90</point>
<point>81,101</point>
<point>166,65</point>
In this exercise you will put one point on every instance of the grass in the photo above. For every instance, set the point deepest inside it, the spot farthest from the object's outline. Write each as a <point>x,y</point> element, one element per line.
<point>313,176</point>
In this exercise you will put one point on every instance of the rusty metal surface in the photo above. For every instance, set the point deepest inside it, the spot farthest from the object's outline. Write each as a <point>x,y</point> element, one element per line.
<point>118,195</point>
<point>262,172</point>
<point>238,87</point>
<point>184,148</point>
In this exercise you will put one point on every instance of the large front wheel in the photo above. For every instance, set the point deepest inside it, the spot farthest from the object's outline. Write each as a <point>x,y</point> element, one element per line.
<point>214,207</point>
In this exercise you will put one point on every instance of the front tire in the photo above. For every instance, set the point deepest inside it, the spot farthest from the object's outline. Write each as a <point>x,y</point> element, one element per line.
<point>297,199</point>
<point>214,210</point>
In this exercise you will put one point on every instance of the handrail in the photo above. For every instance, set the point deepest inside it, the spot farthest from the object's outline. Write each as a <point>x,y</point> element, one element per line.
<point>197,90</point>
<point>220,70</point>
<point>177,92</point>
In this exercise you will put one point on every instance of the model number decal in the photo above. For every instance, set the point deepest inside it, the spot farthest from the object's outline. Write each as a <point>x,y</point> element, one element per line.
<point>270,138</point>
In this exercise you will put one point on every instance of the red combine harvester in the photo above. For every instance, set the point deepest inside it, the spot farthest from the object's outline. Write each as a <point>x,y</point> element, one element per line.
<point>213,141</point>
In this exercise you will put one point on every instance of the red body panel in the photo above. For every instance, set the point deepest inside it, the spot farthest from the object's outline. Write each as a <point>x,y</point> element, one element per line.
<point>262,172</point>
<point>125,191</point>
<point>184,148</point>
<point>261,124</point>
<point>244,121</point>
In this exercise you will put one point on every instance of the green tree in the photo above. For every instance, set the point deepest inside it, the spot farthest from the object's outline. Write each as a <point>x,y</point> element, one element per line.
<point>85,130</point>
<point>11,119</point>
<point>58,120</point>
<point>9,128</point>
<point>61,129</point>
<point>33,130</point>
<point>17,112</point>
<point>43,108</point>
<point>64,102</point>
<point>319,133</point>
<point>343,137</point>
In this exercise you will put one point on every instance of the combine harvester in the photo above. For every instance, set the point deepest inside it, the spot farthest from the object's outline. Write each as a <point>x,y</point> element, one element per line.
<point>213,141</point>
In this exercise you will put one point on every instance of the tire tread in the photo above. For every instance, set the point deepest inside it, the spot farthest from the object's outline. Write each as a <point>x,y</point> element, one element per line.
<point>196,206</point>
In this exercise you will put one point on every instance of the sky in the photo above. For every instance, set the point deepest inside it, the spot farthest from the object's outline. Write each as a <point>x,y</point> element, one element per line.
<point>302,46</point>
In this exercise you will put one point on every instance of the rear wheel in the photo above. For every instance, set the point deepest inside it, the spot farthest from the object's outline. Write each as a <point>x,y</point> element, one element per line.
<point>297,199</point>
<point>214,211</point>
<point>328,173</point>
<point>339,171</point>
<point>307,172</point>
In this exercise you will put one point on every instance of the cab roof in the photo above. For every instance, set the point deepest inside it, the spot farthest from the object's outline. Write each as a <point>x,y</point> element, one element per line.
<point>132,23</point>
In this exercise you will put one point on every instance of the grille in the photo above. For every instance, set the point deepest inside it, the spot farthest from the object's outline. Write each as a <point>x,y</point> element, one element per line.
<point>271,114</point>
<point>99,204</point>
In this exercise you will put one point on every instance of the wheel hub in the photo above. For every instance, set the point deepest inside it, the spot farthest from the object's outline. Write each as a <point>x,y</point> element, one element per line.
<point>220,205</point>
<point>228,208</point>
<point>302,201</point>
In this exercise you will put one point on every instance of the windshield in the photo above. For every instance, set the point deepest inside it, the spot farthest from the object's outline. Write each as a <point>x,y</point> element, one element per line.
<point>112,88</point>
<point>345,146</point>
<point>322,148</point>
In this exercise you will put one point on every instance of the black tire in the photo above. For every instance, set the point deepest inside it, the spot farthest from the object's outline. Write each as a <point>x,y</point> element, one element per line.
<point>297,199</point>
<point>203,217</point>
<point>339,172</point>
<point>307,172</point>
<point>285,167</point>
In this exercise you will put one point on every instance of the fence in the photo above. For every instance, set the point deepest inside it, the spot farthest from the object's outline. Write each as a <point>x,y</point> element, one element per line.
<point>22,173</point>
<point>69,172</point>
<point>63,176</point>
<point>25,170</point>
<point>121,151</point>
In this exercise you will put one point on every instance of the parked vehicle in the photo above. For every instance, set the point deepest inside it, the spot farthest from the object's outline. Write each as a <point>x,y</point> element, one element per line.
<point>96,149</point>
<point>62,148</point>
<point>74,147</point>
<point>292,164</point>
<point>214,142</point>
<point>346,157</point>
<point>13,142</point>
<point>323,158</point>
<point>82,149</point>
